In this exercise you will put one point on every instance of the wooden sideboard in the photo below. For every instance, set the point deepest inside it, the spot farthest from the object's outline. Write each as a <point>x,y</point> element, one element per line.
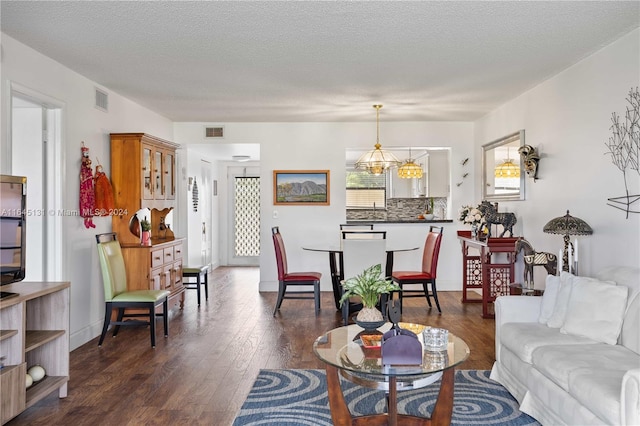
<point>34,330</point>
<point>490,269</point>
<point>157,267</point>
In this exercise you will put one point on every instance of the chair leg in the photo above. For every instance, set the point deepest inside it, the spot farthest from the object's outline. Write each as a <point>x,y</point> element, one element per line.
<point>345,312</point>
<point>198,287</point>
<point>107,319</point>
<point>435,295</point>
<point>316,296</point>
<point>425,286</point>
<point>281,289</point>
<point>152,324</point>
<point>120,317</point>
<point>206,285</point>
<point>165,316</point>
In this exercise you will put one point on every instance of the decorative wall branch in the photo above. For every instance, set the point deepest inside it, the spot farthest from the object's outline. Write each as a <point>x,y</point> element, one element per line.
<point>530,159</point>
<point>624,148</point>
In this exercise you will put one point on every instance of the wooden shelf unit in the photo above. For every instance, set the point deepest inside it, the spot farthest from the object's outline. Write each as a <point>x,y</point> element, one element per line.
<point>35,332</point>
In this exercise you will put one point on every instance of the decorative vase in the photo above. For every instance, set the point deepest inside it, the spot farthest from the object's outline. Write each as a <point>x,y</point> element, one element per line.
<point>474,232</point>
<point>146,238</point>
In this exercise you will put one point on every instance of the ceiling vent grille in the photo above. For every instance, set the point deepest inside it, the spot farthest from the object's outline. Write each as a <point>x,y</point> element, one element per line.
<point>214,132</point>
<point>102,100</point>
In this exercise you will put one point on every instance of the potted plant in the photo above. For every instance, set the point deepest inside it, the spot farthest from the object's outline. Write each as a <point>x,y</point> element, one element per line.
<point>145,225</point>
<point>369,285</point>
<point>428,214</point>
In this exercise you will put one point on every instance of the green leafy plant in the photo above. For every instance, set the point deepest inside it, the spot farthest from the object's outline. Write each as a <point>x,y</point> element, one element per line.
<point>369,285</point>
<point>145,224</point>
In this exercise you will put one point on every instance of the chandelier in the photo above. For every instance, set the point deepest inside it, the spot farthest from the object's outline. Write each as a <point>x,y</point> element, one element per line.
<point>410,170</point>
<point>507,169</point>
<point>377,161</point>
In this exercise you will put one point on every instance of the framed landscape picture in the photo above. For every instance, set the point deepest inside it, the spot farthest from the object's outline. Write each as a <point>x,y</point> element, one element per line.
<point>301,187</point>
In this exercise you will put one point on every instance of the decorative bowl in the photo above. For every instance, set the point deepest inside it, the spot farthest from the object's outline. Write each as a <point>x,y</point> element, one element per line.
<point>369,325</point>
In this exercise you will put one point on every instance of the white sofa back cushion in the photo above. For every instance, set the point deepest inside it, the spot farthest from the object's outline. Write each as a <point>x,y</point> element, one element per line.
<point>629,277</point>
<point>562,301</point>
<point>595,310</point>
<point>551,287</point>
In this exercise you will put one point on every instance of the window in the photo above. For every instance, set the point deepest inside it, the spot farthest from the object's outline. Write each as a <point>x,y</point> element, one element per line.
<point>365,190</point>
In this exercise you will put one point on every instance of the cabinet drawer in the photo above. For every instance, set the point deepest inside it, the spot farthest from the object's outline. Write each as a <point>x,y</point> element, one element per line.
<point>177,267</point>
<point>157,258</point>
<point>168,255</point>
<point>177,251</point>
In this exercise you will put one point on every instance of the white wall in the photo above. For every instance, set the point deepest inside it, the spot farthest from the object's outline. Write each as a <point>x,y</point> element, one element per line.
<point>321,146</point>
<point>568,118</point>
<point>81,122</point>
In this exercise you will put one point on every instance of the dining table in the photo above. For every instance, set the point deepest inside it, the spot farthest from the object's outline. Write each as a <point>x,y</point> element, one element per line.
<point>336,262</point>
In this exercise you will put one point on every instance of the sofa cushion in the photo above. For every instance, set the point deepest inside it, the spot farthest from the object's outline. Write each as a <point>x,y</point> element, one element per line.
<point>595,310</point>
<point>600,391</point>
<point>552,285</point>
<point>562,300</point>
<point>561,363</point>
<point>522,338</point>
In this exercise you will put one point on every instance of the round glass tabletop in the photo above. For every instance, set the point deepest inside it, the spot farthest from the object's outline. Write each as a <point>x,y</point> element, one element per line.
<point>343,348</point>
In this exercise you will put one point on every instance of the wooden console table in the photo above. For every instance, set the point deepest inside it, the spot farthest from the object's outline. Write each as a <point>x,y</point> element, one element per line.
<point>491,270</point>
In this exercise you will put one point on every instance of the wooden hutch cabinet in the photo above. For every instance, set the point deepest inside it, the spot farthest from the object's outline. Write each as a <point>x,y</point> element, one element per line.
<point>143,175</point>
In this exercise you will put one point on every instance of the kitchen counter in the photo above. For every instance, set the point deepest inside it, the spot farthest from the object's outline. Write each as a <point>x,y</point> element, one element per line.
<point>365,222</point>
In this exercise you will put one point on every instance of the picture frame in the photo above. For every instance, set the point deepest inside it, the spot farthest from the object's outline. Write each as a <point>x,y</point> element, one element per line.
<point>301,187</point>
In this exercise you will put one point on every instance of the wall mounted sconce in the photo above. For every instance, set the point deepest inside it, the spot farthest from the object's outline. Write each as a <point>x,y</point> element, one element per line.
<point>530,160</point>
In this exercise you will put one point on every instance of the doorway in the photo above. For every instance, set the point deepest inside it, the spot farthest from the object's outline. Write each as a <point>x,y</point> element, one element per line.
<point>207,213</point>
<point>244,228</point>
<point>35,145</point>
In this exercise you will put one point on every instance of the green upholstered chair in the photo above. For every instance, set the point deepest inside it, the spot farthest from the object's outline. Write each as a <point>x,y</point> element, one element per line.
<point>117,297</point>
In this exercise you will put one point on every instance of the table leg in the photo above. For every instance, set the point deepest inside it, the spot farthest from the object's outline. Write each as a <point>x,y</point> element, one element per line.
<point>340,414</point>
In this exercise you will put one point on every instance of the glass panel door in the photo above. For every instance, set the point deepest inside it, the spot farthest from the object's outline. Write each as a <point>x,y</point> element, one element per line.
<point>169,172</point>
<point>147,189</point>
<point>158,188</point>
<point>247,217</point>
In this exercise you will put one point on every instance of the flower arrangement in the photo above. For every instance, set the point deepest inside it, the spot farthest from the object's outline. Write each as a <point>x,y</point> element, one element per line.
<point>471,216</point>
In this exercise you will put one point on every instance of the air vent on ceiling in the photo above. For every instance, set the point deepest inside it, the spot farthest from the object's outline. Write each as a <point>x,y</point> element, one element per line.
<point>214,132</point>
<point>102,100</point>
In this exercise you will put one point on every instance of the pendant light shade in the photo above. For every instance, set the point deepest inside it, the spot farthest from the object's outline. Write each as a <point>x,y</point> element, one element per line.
<point>377,161</point>
<point>410,170</point>
<point>508,169</point>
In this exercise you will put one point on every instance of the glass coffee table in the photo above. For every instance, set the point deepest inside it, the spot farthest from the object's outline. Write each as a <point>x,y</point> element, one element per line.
<point>342,351</point>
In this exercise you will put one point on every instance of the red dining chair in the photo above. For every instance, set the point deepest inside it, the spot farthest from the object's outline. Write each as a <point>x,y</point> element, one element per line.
<point>425,276</point>
<point>286,278</point>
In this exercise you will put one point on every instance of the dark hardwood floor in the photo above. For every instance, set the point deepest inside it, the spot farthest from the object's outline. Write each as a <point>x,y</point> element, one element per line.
<point>203,371</point>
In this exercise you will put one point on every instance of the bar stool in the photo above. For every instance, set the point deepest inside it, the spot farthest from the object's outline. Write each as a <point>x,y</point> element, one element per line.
<point>197,272</point>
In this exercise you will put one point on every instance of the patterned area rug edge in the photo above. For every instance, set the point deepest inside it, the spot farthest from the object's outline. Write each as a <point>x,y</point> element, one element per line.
<point>299,397</point>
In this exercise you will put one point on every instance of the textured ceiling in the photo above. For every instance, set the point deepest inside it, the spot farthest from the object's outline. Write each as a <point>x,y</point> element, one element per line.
<point>318,61</point>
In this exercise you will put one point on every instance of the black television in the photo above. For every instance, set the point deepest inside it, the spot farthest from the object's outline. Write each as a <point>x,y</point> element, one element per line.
<point>13,215</point>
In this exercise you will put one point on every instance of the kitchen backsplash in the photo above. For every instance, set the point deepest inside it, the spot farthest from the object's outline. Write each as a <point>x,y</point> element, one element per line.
<point>401,209</point>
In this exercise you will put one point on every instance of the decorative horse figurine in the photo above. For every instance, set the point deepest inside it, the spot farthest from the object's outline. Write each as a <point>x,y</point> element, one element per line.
<point>492,217</point>
<point>533,258</point>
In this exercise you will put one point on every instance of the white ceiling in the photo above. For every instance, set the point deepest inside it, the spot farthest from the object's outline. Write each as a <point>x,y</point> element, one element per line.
<point>318,61</point>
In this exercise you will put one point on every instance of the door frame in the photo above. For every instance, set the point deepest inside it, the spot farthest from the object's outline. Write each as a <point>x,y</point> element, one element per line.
<point>234,171</point>
<point>54,170</point>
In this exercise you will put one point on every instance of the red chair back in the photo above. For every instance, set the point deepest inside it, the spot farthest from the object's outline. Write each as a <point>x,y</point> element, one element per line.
<point>431,251</point>
<point>281,254</point>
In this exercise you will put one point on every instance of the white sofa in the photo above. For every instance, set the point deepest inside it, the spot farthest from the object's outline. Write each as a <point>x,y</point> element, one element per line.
<point>572,356</point>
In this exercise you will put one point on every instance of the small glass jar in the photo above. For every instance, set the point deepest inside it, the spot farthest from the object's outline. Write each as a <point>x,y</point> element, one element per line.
<point>435,339</point>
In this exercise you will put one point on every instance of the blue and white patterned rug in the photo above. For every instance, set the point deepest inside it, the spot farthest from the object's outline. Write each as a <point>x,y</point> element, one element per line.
<point>299,397</point>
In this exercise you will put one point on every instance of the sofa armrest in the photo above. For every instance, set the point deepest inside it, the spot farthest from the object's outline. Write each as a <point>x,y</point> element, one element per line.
<point>515,309</point>
<point>630,398</point>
